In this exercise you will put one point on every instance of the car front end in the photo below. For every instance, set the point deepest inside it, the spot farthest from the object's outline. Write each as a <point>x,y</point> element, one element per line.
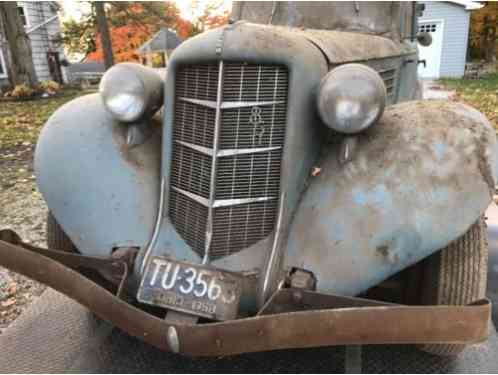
<point>281,182</point>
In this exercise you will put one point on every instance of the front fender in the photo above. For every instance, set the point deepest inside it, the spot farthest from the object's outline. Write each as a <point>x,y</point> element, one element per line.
<point>102,192</point>
<point>419,179</point>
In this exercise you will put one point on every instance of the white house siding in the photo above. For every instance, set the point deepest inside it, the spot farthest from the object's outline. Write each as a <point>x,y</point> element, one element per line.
<point>42,38</point>
<point>4,81</point>
<point>455,35</point>
<point>3,52</point>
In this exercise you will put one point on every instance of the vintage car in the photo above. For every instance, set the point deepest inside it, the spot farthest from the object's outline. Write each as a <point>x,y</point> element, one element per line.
<point>283,186</point>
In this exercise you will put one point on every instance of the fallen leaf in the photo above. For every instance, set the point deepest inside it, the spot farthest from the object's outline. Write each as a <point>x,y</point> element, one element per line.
<point>316,171</point>
<point>8,302</point>
<point>12,288</point>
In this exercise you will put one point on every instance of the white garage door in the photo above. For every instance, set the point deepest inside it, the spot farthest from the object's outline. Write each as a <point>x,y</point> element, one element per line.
<point>431,54</point>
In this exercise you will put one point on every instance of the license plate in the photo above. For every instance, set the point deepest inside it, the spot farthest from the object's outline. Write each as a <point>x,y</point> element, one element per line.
<point>191,288</point>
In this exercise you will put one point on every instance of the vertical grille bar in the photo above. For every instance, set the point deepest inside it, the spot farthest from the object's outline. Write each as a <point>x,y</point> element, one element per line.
<point>228,136</point>
<point>214,164</point>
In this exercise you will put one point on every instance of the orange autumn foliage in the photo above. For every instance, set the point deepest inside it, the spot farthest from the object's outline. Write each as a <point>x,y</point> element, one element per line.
<point>211,21</point>
<point>483,37</point>
<point>127,34</point>
<point>133,23</point>
<point>125,41</point>
<point>184,28</point>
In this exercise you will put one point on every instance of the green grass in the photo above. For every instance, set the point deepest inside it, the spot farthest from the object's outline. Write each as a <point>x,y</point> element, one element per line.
<point>21,122</point>
<point>479,93</point>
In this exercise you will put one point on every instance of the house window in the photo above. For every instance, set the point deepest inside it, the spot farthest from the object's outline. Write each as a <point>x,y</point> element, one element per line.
<point>3,67</point>
<point>23,12</point>
<point>428,28</point>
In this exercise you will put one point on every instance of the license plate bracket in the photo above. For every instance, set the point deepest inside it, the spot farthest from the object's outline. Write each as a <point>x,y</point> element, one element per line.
<point>191,288</point>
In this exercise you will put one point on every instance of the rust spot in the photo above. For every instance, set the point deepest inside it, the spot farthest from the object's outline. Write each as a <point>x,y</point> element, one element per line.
<point>138,157</point>
<point>383,250</point>
<point>129,156</point>
<point>388,254</point>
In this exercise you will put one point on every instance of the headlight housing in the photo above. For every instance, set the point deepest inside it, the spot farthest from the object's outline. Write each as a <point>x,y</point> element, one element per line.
<point>131,91</point>
<point>351,98</point>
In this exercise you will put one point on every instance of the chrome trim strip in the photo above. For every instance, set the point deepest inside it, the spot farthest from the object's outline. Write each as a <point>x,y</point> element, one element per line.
<point>201,149</point>
<point>227,152</point>
<point>235,202</point>
<point>157,227</point>
<point>272,264</point>
<point>221,202</point>
<point>229,105</point>
<point>242,151</point>
<point>214,166</point>
<point>203,103</point>
<point>195,197</point>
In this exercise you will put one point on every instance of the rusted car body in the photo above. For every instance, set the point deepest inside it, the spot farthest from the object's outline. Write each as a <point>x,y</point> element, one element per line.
<point>243,214</point>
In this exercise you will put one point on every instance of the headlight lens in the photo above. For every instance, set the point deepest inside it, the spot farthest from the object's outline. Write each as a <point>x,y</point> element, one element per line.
<point>351,98</point>
<point>130,90</point>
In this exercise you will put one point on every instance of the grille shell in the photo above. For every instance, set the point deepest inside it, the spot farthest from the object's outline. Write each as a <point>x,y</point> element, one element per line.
<point>247,176</point>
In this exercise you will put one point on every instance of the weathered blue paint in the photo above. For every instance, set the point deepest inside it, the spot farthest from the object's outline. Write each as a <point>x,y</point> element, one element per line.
<point>103,193</point>
<point>377,196</point>
<point>420,178</point>
<point>439,149</point>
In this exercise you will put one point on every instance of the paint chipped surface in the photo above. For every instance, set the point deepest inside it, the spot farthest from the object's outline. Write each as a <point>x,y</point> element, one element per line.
<point>420,178</point>
<point>103,193</point>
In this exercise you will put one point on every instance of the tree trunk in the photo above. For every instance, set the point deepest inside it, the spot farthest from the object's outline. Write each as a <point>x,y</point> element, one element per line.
<point>20,67</point>
<point>491,47</point>
<point>488,46</point>
<point>105,38</point>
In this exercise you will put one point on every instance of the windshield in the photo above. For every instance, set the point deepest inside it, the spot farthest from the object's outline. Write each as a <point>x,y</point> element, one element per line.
<point>392,19</point>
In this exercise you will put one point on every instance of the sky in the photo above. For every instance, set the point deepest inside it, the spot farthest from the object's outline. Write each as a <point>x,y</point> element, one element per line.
<point>192,9</point>
<point>189,9</point>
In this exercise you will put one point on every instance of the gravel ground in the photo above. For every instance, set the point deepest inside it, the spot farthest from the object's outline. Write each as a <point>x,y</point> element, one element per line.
<point>21,205</point>
<point>22,209</point>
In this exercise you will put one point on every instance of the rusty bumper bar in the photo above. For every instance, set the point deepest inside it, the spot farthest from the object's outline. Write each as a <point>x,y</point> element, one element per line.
<point>323,320</point>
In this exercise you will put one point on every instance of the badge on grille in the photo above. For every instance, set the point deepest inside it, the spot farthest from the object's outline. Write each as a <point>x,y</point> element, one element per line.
<point>257,121</point>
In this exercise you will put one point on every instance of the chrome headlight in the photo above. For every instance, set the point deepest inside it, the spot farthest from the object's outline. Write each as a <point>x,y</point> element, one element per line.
<point>130,91</point>
<point>351,98</point>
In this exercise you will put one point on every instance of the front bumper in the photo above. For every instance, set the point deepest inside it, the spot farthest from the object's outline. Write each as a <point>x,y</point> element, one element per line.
<point>292,318</point>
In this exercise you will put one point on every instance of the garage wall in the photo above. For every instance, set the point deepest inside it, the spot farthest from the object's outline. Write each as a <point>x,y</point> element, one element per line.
<point>455,37</point>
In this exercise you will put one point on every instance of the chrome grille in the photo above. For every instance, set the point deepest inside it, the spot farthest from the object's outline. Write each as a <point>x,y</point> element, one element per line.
<point>228,138</point>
